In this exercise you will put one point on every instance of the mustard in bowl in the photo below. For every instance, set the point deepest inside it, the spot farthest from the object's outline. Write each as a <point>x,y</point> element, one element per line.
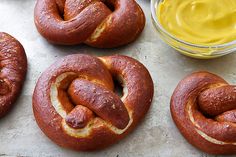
<point>197,28</point>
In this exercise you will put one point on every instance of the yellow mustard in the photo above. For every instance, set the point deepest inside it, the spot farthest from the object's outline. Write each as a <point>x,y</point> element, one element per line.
<point>205,22</point>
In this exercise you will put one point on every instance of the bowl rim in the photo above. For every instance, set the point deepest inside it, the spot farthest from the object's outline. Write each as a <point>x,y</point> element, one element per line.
<point>155,3</point>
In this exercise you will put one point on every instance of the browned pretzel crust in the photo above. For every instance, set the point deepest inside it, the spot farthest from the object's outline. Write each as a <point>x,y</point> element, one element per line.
<point>75,105</point>
<point>13,67</point>
<point>203,106</point>
<point>98,23</point>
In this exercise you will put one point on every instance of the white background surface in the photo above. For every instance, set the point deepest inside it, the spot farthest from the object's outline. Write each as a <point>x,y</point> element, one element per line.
<point>156,136</point>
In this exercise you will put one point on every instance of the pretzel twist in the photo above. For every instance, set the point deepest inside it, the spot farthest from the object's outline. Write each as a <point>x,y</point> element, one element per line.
<point>75,106</point>
<point>98,23</point>
<point>13,66</point>
<point>203,106</point>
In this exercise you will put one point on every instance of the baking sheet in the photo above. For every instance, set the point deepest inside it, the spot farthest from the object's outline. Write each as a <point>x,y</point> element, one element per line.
<point>155,136</point>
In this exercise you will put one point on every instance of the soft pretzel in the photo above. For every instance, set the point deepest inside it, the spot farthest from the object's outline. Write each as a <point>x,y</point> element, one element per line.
<point>13,66</point>
<point>203,106</point>
<point>75,105</point>
<point>98,23</point>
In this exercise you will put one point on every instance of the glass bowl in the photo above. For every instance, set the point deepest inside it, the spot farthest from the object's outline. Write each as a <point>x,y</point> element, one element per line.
<point>186,48</point>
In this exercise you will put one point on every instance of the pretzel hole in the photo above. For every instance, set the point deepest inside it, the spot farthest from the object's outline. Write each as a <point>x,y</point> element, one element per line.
<point>60,8</point>
<point>63,95</point>
<point>118,87</point>
<point>60,13</point>
<point>109,4</point>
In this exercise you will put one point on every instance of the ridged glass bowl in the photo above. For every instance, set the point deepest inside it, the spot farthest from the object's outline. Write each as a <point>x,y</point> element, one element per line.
<point>186,48</point>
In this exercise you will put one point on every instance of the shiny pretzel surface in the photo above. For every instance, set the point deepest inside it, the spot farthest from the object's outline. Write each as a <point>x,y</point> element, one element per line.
<point>203,106</point>
<point>13,67</point>
<point>98,23</point>
<point>75,104</point>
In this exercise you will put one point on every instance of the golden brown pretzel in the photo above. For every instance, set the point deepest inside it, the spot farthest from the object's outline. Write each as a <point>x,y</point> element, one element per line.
<point>13,66</point>
<point>75,105</point>
<point>203,106</point>
<point>98,23</point>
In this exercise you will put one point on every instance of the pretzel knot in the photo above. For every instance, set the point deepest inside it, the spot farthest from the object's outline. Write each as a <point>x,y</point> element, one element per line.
<point>75,104</point>
<point>98,23</point>
<point>13,67</point>
<point>203,106</point>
